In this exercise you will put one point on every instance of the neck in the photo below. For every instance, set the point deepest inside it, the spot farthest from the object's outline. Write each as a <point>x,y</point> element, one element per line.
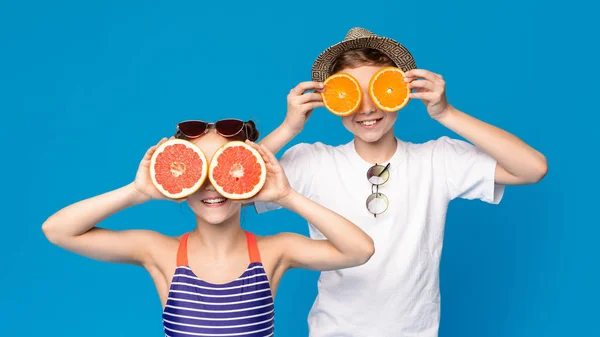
<point>218,241</point>
<point>378,152</point>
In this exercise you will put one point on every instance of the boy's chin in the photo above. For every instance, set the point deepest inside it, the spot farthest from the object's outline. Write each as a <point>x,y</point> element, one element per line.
<point>374,135</point>
<point>369,136</point>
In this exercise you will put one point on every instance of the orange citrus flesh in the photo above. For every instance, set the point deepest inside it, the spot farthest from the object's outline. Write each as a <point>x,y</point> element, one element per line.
<point>342,94</point>
<point>388,90</point>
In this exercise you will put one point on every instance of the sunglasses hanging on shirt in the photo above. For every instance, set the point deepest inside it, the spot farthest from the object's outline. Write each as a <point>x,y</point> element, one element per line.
<point>377,202</point>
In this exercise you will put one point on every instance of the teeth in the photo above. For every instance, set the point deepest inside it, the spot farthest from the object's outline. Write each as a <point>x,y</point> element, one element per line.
<point>214,201</point>
<point>368,123</point>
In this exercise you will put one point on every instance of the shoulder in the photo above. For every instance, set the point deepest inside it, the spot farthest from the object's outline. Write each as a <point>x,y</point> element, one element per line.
<point>438,145</point>
<point>155,238</point>
<point>277,244</point>
<point>277,239</point>
<point>158,248</point>
<point>312,153</point>
<point>268,242</point>
<point>427,145</point>
<point>309,149</point>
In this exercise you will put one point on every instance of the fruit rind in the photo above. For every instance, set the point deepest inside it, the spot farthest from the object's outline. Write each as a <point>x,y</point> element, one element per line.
<point>376,101</point>
<point>360,93</point>
<point>185,192</point>
<point>214,162</point>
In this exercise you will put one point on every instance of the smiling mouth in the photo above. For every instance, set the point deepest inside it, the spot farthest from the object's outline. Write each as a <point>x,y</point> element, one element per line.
<point>370,122</point>
<point>214,201</point>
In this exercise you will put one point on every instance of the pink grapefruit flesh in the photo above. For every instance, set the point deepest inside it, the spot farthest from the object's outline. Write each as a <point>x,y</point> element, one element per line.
<point>178,168</point>
<point>237,171</point>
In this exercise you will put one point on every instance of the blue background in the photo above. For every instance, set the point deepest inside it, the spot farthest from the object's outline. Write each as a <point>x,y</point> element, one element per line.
<point>87,87</point>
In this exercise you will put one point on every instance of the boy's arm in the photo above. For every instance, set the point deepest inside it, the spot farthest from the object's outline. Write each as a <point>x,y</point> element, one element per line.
<point>300,105</point>
<point>279,137</point>
<point>517,162</point>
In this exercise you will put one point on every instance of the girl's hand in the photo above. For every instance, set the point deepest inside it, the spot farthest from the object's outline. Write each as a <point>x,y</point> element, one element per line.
<point>277,187</point>
<point>143,182</point>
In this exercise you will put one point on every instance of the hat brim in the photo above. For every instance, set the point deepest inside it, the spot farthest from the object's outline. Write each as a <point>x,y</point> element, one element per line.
<point>395,51</point>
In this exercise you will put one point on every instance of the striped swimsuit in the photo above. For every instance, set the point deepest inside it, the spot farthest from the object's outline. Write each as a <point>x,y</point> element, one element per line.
<point>243,307</point>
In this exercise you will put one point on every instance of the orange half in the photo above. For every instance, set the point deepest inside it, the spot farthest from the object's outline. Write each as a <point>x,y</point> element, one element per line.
<point>388,90</point>
<point>342,94</point>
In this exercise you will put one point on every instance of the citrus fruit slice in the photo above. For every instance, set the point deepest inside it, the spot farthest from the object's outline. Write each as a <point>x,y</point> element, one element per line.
<point>388,90</point>
<point>178,168</point>
<point>342,94</point>
<point>237,171</point>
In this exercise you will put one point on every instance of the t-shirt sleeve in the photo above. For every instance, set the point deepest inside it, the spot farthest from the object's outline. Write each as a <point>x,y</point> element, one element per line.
<point>298,163</point>
<point>469,171</point>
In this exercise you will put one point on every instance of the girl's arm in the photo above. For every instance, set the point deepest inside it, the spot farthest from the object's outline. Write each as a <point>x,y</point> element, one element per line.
<point>346,245</point>
<point>74,227</point>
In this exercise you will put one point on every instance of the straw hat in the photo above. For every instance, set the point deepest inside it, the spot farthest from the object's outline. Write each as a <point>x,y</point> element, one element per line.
<point>358,38</point>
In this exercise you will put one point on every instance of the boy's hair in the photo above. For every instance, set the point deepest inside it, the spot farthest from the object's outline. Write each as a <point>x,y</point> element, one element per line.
<point>361,57</point>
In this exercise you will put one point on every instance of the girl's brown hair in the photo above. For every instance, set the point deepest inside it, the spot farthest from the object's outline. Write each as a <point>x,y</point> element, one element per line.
<point>250,131</point>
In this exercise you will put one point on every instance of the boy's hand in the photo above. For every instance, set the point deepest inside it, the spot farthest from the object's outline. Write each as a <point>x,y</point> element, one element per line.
<point>431,89</point>
<point>300,105</point>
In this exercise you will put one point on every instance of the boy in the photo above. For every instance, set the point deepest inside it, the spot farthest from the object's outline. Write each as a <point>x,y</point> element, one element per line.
<point>398,192</point>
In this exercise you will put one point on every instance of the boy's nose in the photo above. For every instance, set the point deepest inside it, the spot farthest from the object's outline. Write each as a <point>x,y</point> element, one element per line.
<point>367,106</point>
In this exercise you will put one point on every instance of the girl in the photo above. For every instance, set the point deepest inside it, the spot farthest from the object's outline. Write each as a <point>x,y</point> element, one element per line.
<point>217,279</point>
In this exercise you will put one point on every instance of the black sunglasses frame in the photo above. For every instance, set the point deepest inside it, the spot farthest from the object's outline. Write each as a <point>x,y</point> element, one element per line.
<point>209,125</point>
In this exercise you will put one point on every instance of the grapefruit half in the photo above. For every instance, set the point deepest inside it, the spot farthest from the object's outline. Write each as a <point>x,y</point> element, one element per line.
<point>178,168</point>
<point>237,171</point>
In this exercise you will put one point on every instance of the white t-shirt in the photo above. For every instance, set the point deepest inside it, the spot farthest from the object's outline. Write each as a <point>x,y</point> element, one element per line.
<point>396,293</point>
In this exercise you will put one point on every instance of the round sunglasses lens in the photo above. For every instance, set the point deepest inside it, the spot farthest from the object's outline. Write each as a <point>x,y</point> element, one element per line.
<point>192,128</point>
<point>229,127</point>
<point>377,203</point>
<point>375,175</point>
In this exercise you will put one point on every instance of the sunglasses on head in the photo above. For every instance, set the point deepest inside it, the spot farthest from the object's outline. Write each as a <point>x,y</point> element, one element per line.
<point>227,128</point>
